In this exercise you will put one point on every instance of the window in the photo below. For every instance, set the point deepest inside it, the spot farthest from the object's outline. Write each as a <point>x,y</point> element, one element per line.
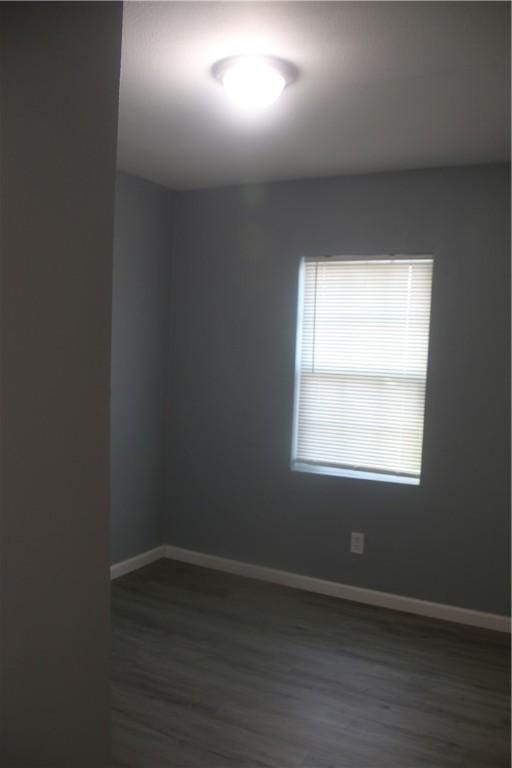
<point>361,365</point>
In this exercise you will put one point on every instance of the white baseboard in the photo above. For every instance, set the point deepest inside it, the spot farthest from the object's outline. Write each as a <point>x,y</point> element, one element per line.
<point>133,563</point>
<point>451,613</point>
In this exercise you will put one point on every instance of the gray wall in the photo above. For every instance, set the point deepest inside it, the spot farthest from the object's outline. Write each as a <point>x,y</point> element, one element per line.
<point>230,490</point>
<point>59,76</point>
<point>142,244</point>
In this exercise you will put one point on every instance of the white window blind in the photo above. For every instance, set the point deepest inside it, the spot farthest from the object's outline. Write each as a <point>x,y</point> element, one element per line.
<point>362,347</point>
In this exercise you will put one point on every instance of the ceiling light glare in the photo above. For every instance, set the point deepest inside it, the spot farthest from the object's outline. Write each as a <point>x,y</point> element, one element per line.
<point>253,83</point>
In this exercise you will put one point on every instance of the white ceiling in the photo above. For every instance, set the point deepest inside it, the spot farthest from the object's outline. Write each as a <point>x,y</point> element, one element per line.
<point>382,85</point>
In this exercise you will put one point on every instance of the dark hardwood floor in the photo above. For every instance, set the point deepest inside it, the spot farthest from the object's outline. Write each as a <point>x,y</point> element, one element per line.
<point>214,670</point>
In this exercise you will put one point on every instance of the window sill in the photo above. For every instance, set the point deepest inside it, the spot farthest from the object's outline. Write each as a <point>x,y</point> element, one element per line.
<point>358,474</point>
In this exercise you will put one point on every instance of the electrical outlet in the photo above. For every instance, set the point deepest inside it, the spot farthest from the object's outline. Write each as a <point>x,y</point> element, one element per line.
<point>357,543</point>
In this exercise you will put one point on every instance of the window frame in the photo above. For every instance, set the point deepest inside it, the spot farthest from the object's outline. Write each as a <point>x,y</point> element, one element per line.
<point>325,468</point>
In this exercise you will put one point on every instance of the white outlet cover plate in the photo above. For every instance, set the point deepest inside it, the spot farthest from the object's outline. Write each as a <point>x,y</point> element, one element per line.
<point>357,543</point>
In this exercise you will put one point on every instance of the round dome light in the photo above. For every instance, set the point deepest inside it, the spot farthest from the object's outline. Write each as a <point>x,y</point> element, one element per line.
<point>253,83</point>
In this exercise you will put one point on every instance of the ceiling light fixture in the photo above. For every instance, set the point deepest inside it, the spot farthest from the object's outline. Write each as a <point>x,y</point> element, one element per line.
<point>253,83</point>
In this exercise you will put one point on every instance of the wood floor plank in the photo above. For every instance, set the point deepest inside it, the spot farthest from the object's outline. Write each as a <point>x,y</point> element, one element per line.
<point>212,670</point>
